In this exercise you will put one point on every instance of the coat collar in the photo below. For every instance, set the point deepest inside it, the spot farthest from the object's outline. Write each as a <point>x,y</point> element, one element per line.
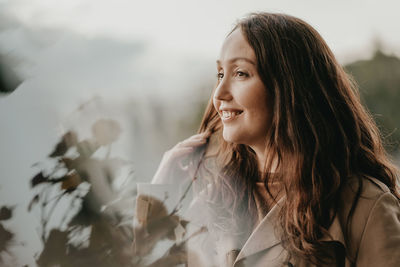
<point>265,236</point>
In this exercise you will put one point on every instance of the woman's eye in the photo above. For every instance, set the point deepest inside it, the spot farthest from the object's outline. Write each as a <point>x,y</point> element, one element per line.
<point>241,74</point>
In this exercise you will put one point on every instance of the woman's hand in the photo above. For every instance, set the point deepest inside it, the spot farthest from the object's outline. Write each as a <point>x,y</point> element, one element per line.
<point>172,160</point>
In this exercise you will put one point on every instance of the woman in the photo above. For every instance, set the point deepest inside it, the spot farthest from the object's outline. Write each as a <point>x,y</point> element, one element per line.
<point>300,171</point>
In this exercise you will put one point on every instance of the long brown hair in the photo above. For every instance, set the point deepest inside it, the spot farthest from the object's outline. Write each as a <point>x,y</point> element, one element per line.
<point>320,133</point>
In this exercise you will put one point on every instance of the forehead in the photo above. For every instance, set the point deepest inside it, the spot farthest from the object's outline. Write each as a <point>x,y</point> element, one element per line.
<point>236,46</point>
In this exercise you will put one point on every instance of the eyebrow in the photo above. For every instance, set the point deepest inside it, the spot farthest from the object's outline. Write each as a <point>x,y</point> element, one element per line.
<point>232,60</point>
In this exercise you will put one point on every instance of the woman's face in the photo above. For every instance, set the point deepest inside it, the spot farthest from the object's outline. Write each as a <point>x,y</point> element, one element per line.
<point>240,96</point>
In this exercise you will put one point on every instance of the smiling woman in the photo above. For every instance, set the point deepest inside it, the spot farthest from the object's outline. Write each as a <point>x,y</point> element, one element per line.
<point>240,96</point>
<point>289,167</point>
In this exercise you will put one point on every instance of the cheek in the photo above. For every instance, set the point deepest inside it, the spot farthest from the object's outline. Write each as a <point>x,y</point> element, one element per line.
<point>255,101</point>
<point>258,110</point>
<point>215,104</point>
<point>261,109</point>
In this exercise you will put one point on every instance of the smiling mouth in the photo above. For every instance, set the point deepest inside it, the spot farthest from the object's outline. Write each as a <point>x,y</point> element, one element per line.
<point>230,115</point>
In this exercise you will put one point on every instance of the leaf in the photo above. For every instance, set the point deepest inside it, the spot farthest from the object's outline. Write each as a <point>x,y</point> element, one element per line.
<point>106,131</point>
<point>155,224</point>
<point>5,213</point>
<point>70,164</point>
<point>38,179</point>
<point>71,181</point>
<point>54,250</point>
<point>59,150</point>
<point>85,216</point>
<point>68,140</point>
<point>178,233</point>
<point>86,148</point>
<point>149,209</point>
<point>184,223</point>
<point>34,200</point>
<point>146,238</point>
<point>9,80</point>
<point>5,237</point>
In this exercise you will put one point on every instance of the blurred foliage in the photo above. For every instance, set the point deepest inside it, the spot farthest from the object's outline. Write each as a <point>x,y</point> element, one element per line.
<point>9,80</point>
<point>379,82</point>
<point>96,230</point>
<point>6,237</point>
<point>100,232</point>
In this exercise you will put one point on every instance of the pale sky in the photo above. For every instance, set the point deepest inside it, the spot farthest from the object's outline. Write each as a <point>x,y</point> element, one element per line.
<point>189,25</point>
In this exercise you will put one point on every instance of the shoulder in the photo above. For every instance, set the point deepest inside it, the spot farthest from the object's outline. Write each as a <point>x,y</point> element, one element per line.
<point>360,196</point>
<point>374,226</point>
<point>370,187</point>
<point>368,191</point>
<point>365,194</point>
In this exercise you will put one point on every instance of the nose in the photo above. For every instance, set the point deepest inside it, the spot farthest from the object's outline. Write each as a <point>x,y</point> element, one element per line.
<point>222,91</point>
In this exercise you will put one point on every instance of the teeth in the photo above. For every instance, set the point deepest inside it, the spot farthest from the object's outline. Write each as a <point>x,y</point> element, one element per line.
<point>229,114</point>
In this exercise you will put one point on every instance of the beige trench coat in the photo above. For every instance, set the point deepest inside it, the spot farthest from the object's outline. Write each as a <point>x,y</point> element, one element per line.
<point>374,238</point>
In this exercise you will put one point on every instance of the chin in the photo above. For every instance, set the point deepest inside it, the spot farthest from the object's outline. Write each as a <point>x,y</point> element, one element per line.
<point>231,137</point>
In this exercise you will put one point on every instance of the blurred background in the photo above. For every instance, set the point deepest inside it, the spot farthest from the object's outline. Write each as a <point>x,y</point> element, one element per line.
<point>148,66</point>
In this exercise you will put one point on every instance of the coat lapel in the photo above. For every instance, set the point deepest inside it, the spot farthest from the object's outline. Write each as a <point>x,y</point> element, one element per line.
<point>335,232</point>
<point>263,236</point>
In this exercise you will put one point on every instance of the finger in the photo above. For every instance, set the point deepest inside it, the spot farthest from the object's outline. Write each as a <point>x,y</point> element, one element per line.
<point>201,135</point>
<point>195,138</point>
<point>206,133</point>
<point>192,143</point>
<point>180,152</point>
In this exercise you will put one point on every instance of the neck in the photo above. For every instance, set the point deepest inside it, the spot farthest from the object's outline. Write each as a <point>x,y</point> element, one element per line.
<point>261,159</point>
<point>260,153</point>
